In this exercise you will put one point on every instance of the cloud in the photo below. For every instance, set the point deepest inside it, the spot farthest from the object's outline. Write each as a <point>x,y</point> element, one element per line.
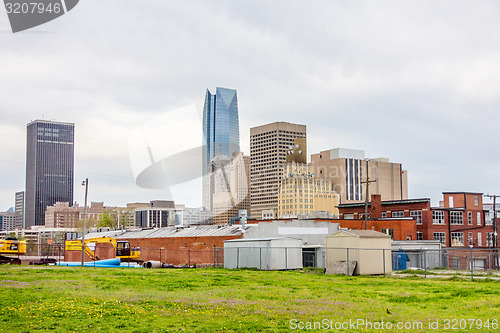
<point>417,82</point>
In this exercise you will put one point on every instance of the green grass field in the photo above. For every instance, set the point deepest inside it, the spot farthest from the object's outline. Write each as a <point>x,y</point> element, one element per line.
<point>216,300</point>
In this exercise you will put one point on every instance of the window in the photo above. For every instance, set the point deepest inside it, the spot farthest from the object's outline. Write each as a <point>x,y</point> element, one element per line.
<point>398,214</point>
<point>349,216</point>
<point>389,232</point>
<point>471,239</point>
<point>469,218</point>
<point>420,235</point>
<point>384,215</point>
<point>450,202</point>
<point>476,200</point>
<point>478,218</point>
<point>456,218</point>
<point>487,219</point>
<point>437,217</point>
<point>479,239</point>
<point>418,215</point>
<point>362,216</point>
<point>490,239</point>
<point>440,236</point>
<point>457,239</point>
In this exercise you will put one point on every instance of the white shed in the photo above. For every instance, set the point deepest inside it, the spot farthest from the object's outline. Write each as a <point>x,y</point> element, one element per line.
<point>371,250</point>
<point>275,253</point>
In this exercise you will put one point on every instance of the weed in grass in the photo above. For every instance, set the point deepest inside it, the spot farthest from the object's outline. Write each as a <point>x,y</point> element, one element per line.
<point>215,300</point>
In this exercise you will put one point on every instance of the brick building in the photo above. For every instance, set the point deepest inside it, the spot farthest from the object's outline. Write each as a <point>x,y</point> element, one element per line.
<point>460,221</point>
<point>398,228</point>
<point>177,246</point>
<point>62,215</point>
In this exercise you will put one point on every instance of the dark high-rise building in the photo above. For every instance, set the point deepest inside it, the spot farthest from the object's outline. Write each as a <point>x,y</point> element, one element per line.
<point>220,127</point>
<point>49,168</point>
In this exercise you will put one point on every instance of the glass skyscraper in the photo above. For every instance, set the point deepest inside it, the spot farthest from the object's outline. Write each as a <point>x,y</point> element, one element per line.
<point>220,126</point>
<point>49,168</point>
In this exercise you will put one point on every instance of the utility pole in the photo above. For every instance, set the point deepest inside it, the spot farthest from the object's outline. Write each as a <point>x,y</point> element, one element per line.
<point>495,228</point>
<point>86,184</point>
<point>367,182</point>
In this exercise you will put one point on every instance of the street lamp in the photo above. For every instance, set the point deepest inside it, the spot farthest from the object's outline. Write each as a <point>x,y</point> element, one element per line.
<point>86,184</point>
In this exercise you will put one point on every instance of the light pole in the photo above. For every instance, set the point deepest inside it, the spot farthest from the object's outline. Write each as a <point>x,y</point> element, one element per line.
<point>495,244</point>
<point>86,184</point>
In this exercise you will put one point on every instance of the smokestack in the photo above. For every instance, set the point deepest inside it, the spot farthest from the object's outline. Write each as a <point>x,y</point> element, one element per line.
<point>243,219</point>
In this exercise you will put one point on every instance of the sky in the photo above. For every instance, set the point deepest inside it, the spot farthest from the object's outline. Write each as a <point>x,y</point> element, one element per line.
<point>417,82</point>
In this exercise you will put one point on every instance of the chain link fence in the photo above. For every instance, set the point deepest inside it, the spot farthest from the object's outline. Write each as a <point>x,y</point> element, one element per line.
<point>351,261</point>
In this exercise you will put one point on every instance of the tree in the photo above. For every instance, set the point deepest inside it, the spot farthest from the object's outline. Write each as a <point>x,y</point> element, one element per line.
<point>90,223</point>
<point>106,220</point>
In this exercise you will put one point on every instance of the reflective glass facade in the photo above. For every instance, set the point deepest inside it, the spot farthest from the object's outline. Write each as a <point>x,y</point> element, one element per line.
<point>49,168</point>
<point>220,125</point>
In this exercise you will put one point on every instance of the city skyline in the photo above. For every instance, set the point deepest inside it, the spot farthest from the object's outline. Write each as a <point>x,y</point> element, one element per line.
<point>416,82</point>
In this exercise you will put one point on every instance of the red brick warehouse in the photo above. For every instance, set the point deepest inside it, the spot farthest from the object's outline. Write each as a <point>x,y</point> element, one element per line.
<point>461,221</point>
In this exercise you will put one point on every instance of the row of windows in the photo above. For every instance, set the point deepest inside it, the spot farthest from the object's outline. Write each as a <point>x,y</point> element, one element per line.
<point>456,217</point>
<point>297,206</point>
<point>273,133</point>
<point>457,238</point>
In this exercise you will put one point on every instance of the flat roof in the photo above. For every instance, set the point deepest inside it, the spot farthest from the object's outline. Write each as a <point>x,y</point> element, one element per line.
<point>363,233</point>
<point>478,193</point>
<point>169,232</point>
<point>389,202</point>
<point>259,239</point>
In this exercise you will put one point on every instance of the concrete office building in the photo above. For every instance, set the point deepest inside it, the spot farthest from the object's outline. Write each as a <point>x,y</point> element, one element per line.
<point>19,210</point>
<point>301,192</point>
<point>159,214</point>
<point>49,168</point>
<point>347,169</point>
<point>7,221</point>
<point>196,216</point>
<point>228,186</point>
<point>269,145</point>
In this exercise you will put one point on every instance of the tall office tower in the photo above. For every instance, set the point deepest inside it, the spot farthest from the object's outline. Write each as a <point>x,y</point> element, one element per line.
<point>269,145</point>
<point>228,181</point>
<point>220,128</point>
<point>19,210</point>
<point>49,168</point>
<point>346,168</point>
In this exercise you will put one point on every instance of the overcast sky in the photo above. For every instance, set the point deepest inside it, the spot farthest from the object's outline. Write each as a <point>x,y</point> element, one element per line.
<point>415,81</point>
